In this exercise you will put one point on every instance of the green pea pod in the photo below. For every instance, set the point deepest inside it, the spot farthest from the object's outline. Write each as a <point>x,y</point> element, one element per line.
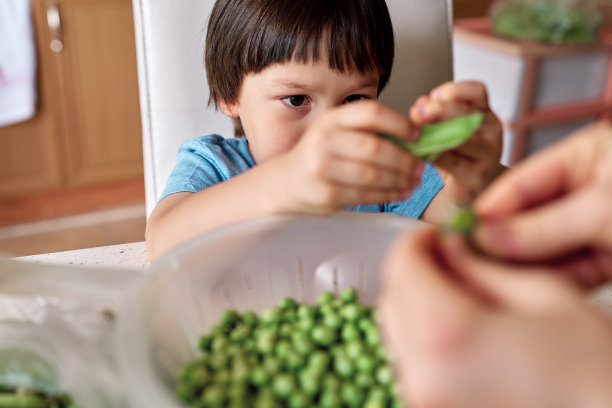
<point>436,138</point>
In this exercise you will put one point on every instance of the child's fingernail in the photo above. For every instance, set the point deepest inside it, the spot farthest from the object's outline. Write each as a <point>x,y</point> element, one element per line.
<point>437,94</point>
<point>422,110</point>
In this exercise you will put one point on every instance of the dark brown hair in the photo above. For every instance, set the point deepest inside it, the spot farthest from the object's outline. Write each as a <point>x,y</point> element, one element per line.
<point>246,36</point>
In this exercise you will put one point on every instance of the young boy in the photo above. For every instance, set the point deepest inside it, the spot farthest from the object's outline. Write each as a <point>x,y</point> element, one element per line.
<point>303,79</point>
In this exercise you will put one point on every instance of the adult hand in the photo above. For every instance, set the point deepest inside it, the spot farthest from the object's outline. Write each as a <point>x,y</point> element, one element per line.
<point>465,331</point>
<point>557,203</point>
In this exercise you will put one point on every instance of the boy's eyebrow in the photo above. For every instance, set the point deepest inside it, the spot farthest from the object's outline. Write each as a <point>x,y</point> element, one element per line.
<point>292,83</point>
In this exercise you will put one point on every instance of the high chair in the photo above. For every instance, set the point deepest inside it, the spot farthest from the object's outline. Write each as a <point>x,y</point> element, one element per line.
<point>172,81</point>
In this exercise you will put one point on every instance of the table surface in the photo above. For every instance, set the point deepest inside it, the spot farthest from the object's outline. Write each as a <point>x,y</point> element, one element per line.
<point>133,256</point>
<point>122,256</point>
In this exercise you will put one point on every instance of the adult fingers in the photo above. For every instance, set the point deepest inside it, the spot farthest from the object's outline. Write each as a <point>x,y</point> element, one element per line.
<point>555,171</point>
<point>510,286</point>
<point>568,224</point>
<point>421,296</point>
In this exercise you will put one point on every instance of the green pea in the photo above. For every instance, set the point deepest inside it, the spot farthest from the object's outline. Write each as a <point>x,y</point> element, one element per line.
<point>249,318</point>
<point>332,320</point>
<point>364,380</point>
<point>287,303</point>
<point>299,399</point>
<point>351,394</point>
<point>326,298</point>
<point>294,360</point>
<point>374,403</point>
<point>323,336</point>
<point>305,311</point>
<point>259,377</point>
<point>384,375</point>
<point>282,348</point>
<point>327,309</point>
<point>272,365</point>
<point>354,348</point>
<point>350,333</point>
<point>271,317</point>
<point>462,221</point>
<point>309,382</point>
<point>436,138</point>
<point>219,343</point>
<point>319,360</point>
<point>283,385</point>
<point>351,312</point>
<point>377,393</point>
<point>365,364</point>
<point>302,343</point>
<point>198,376</point>
<point>306,324</point>
<point>229,317</point>
<point>204,343</point>
<point>330,400</point>
<point>331,382</point>
<point>348,295</point>
<point>239,333</point>
<point>343,366</point>
<point>214,395</point>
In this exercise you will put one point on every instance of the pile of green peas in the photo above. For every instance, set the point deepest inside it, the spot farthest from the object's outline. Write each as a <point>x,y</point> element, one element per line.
<point>293,355</point>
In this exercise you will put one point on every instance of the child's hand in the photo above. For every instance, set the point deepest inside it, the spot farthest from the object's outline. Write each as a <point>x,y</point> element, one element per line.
<point>340,161</point>
<point>467,170</point>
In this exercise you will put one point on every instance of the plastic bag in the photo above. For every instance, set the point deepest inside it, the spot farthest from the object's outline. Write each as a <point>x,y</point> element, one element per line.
<point>547,21</point>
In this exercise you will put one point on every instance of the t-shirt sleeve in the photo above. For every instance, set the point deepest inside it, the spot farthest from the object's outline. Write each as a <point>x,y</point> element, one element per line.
<point>413,207</point>
<point>206,161</point>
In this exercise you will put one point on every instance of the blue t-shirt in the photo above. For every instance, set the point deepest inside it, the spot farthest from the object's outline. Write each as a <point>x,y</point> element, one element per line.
<point>208,160</point>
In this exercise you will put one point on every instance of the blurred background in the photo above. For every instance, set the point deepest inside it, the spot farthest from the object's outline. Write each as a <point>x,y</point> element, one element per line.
<point>71,171</point>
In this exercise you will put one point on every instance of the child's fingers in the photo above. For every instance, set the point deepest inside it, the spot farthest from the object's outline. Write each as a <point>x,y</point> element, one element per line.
<point>431,110</point>
<point>365,175</point>
<point>369,148</point>
<point>470,92</point>
<point>371,116</point>
<point>331,196</point>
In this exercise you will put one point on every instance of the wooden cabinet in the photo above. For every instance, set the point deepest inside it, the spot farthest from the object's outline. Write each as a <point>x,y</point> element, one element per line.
<point>471,8</point>
<point>87,130</point>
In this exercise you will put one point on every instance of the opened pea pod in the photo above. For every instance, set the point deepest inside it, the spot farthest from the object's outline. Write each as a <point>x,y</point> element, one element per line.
<point>439,137</point>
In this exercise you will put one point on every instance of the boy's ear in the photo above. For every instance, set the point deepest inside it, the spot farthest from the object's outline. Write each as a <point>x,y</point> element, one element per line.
<point>229,108</point>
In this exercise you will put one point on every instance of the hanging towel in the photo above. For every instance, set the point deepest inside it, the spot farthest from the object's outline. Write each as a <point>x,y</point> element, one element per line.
<point>17,62</point>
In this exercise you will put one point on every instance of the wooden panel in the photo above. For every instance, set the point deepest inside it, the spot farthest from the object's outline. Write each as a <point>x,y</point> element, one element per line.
<point>100,91</point>
<point>471,8</point>
<point>29,151</point>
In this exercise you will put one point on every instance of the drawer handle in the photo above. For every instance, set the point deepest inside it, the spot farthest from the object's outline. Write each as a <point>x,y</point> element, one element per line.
<point>55,27</point>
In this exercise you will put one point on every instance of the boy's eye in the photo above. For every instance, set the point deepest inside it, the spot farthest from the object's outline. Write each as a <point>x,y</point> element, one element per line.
<point>355,98</point>
<point>296,100</point>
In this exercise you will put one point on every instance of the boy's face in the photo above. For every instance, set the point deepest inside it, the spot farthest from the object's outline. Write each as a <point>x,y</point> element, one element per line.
<point>277,105</point>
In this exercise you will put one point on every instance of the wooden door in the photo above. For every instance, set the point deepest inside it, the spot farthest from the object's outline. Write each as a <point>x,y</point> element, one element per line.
<point>86,130</point>
<point>99,91</point>
<point>30,151</point>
